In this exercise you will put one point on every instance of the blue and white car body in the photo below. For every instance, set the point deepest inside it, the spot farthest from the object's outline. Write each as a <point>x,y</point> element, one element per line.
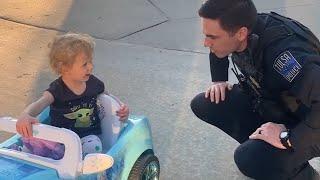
<point>127,143</point>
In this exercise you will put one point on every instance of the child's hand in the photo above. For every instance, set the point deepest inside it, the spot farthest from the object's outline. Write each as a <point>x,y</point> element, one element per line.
<point>123,112</point>
<point>24,125</point>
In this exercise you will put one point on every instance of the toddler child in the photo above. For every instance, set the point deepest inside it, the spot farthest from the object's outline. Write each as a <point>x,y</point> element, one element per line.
<point>72,97</point>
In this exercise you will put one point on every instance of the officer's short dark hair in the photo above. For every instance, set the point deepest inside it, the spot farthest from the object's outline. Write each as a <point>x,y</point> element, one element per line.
<point>232,14</point>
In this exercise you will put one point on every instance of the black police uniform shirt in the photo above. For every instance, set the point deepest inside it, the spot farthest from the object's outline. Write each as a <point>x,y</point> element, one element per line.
<point>286,67</point>
<point>76,112</point>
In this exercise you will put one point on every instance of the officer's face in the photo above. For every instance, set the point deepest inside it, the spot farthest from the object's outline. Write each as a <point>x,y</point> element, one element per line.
<point>219,41</point>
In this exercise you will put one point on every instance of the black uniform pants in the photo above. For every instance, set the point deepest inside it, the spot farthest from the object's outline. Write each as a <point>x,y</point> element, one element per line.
<point>254,158</point>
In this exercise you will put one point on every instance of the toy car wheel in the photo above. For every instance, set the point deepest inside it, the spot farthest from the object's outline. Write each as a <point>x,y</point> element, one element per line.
<point>147,167</point>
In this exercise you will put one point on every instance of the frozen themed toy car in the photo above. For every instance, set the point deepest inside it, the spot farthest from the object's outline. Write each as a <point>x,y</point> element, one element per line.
<point>127,150</point>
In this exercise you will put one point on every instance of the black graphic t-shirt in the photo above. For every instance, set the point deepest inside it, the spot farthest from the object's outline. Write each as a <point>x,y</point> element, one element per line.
<point>78,113</point>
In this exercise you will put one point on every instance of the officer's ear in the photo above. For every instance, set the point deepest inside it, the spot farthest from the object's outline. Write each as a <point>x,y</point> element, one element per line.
<point>242,33</point>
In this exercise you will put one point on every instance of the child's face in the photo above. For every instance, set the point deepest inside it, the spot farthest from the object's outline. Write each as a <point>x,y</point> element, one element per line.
<point>81,69</point>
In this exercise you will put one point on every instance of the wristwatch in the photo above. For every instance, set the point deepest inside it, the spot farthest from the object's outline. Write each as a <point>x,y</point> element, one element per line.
<point>284,139</point>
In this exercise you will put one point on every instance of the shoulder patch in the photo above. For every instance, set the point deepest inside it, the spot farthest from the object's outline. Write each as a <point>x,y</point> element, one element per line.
<point>287,66</point>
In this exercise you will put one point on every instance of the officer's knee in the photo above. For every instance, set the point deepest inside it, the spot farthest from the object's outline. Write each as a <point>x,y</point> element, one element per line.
<point>244,162</point>
<point>253,162</point>
<point>247,162</point>
<point>197,104</point>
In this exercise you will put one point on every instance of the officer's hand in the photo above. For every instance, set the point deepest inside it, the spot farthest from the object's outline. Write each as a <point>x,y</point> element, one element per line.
<point>216,91</point>
<point>269,132</point>
<point>24,125</point>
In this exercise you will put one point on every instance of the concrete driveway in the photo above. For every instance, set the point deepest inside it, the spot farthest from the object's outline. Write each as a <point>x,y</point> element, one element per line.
<point>149,53</point>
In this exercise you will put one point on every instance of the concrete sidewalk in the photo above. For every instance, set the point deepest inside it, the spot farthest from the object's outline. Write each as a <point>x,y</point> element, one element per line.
<point>149,53</point>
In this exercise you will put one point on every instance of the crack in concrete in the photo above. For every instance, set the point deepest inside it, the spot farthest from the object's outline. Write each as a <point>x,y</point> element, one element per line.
<point>149,27</point>
<point>181,50</point>
<point>99,38</point>
<point>289,6</point>
<point>186,18</point>
<point>159,9</point>
<point>29,24</point>
<point>63,31</point>
<point>44,27</point>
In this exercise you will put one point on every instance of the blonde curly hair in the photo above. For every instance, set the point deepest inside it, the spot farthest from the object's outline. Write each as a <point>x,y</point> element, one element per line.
<point>65,48</point>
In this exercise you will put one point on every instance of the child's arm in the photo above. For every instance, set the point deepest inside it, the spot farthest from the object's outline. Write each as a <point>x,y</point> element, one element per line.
<point>27,117</point>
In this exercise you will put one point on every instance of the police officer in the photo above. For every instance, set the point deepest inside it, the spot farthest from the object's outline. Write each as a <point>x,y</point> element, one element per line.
<point>274,111</point>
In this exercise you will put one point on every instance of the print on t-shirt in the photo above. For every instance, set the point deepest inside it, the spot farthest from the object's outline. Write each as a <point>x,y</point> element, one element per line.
<point>82,117</point>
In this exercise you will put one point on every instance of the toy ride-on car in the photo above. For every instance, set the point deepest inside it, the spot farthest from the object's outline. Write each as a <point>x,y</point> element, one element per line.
<point>127,150</point>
